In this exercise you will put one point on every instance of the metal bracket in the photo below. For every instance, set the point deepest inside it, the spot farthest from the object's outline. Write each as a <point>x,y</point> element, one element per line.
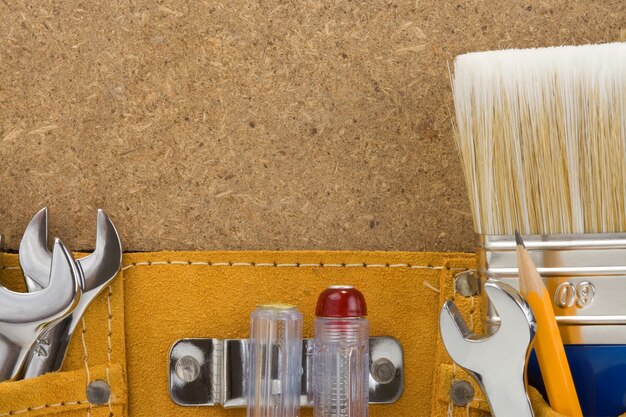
<point>209,372</point>
<point>584,273</point>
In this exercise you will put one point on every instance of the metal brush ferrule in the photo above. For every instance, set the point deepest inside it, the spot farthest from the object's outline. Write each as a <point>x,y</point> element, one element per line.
<point>585,275</point>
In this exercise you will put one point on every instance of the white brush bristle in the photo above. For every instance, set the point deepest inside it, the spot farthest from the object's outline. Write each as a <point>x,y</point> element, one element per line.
<point>542,137</point>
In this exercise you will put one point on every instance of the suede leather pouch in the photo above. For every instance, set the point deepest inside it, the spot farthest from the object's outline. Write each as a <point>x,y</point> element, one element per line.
<point>158,298</point>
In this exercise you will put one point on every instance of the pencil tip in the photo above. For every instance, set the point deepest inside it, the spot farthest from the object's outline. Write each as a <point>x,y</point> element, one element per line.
<point>518,239</point>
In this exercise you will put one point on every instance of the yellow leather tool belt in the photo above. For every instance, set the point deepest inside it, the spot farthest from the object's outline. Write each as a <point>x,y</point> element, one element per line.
<point>158,298</point>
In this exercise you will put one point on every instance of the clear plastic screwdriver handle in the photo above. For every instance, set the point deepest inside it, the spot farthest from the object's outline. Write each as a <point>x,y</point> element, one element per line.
<point>341,354</point>
<point>275,361</point>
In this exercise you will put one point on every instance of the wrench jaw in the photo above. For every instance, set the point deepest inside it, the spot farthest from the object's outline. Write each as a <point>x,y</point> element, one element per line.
<point>24,316</point>
<point>34,255</point>
<point>497,362</point>
<point>514,311</point>
<point>96,268</point>
<point>104,263</point>
<point>94,272</point>
<point>456,335</point>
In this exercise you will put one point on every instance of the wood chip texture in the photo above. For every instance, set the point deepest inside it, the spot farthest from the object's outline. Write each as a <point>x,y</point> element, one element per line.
<point>252,124</point>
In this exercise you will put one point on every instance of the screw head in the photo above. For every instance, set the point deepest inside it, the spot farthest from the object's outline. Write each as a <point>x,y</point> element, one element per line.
<point>467,283</point>
<point>98,392</point>
<point>461,393</point>
<point>187,368</point>
<point>383,371</point>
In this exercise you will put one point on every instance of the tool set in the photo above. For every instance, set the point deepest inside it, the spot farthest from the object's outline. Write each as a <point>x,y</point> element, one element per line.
<point>36,327</point>
<point>542,137</point>
<point>542,134</point>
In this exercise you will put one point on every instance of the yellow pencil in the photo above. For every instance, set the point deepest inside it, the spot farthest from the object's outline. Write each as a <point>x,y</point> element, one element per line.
<point>548,344</point>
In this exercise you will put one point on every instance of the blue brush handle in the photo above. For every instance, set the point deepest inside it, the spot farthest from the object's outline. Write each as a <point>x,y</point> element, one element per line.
<point>599,373</point>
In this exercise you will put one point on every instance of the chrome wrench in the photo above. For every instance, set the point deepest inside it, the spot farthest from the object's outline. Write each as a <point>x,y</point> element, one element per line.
<point>95,273</point>
<point>24,316</point>
<point>497,362</point>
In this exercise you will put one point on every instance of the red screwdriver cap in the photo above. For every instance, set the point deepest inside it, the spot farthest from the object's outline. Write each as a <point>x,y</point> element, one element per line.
<point>341,301</point>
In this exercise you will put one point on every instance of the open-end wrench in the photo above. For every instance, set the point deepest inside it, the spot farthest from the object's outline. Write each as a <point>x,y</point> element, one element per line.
<point>497,362</point>
<point>95,271</point>
<point>24,316</point>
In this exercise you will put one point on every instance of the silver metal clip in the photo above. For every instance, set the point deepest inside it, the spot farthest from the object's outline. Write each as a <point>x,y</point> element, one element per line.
<point>210,372</point>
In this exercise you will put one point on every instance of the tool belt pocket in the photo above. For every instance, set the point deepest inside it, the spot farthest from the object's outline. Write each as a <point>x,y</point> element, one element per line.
<point>123,343</point>
<point>67,393</point>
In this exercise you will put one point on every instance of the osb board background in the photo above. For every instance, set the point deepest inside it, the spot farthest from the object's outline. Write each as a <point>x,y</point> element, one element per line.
<point>252,124</point>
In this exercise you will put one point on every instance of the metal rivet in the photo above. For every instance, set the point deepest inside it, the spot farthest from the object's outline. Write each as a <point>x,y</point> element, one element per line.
<point>461,393</point>
<point>565,295</point>
<point>383,371</point>
<point>467,283</point>
<point>586,293</point>
<point>187,368</point>
<point>98,392</point>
